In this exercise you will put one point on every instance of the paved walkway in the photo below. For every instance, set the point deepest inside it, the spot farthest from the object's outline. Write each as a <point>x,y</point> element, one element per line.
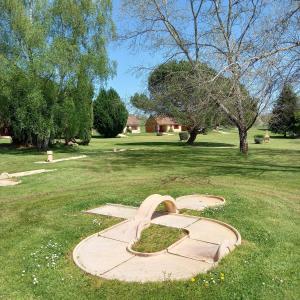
<point>61,159</point>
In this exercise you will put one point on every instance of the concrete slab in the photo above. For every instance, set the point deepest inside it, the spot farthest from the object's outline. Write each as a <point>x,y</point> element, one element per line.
<point>212,232</point>
<point>61,159</point>
<point>115,210</point>
<point>174,220</point>
<point>11,179</point>
<point>124,232</point>
<point>115,150</point>
<point>9,182</point>
<point>6,137</point>
<point>195,250</point>
<point>33,172</point>
<point>199,202</point>
<point>157,268</point>
<point>97,255</point>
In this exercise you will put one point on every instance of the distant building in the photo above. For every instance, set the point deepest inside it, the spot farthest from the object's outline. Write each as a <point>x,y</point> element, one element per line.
<point>133,124</point>
<point>162,124</point>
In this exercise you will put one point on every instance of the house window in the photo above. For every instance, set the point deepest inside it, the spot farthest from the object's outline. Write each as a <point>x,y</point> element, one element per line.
<point>176,126</point>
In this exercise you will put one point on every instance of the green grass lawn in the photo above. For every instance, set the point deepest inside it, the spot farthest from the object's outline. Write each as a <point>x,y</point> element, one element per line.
<point>42,221</point>
<point>157,238</point>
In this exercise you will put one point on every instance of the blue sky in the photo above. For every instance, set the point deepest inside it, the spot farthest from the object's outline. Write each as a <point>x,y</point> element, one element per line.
<point>128,80</point>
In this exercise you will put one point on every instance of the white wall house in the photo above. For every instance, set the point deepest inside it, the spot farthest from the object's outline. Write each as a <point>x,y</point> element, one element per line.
<point>133,125</point>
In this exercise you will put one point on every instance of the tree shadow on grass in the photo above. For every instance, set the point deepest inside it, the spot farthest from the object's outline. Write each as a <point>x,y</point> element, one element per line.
<point>11,149</point>
<point>212,145</point>
<point>98,136</point>
<point>262,129</point>
<point>209,163</point>
<point>281,137</point>
<point>176,144</point>
<point>198,162</point>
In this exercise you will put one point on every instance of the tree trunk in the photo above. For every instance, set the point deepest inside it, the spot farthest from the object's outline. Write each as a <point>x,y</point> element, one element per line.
<point>193,136</point>
<point>45,144</point>
<point>243,141</point>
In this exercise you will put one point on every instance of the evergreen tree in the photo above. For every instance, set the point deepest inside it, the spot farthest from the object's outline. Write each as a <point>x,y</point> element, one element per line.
<point>297,118</point>
<point>283,118</point>
<point>110,113</point>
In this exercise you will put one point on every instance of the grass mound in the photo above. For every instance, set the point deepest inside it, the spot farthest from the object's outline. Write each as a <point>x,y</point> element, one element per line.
<point>157,238</point>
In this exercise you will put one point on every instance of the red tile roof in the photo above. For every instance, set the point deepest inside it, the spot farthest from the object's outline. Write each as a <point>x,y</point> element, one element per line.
<point>133,121</point>
<point>165,121</point>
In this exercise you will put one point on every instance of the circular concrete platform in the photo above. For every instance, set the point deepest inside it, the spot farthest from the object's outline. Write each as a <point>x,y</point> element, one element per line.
<point>199,202</point>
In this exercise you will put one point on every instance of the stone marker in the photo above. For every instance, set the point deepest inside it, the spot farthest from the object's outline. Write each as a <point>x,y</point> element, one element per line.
<point>267,137</point>
<point>49,156</point>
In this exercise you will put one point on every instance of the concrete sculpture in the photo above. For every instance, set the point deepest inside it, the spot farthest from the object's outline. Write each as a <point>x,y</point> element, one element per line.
<point>108,254</point>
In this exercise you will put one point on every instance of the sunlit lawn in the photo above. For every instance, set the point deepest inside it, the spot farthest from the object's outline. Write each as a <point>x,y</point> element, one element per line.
<point>42,220</point>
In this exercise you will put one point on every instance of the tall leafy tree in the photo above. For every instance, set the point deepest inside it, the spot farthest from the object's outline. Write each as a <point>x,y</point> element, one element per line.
<point>23,36</point>
<point>110,113</point>
<point>174,92</point>
<point>78,52</point>
<point>4,95</point>
<point>254,44</point>
<point>59,43</point>
<point>283,118</point>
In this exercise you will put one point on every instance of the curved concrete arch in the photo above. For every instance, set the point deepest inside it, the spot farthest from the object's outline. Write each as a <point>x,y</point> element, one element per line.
<point>146,210</point>
<point>150,204</point>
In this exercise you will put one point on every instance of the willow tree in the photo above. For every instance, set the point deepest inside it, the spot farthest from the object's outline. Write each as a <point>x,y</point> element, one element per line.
<point>60,44</point>
<point>254,44</point>
<point>23,35</point>
<point>80,30</point>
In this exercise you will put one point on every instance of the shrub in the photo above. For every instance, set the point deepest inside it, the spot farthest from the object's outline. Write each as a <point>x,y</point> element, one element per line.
<point>110,113</point>
<point>183,135</point>
<point>258,139</point>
